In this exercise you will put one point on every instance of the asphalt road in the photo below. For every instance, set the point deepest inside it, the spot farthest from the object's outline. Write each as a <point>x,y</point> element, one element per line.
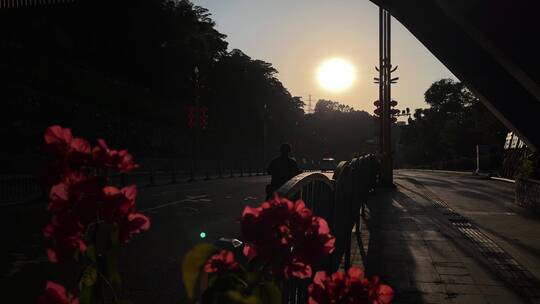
<point>490,205</point>
<point>151,262</point>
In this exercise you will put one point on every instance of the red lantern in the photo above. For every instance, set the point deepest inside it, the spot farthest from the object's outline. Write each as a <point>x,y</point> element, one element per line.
<point>203,116</point>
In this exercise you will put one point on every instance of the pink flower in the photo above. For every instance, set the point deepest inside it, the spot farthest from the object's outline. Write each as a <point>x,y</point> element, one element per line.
<point>298,269</point>
<point>58,139</point>
<point>221,262</point>
<point>107,158</point>
<point>286,235</point>
<point>133,224</point>
<point>351,287</point>
<point>65,236</point>
<point>119,208</point>
<point>118,203</point>
<point>56,294</point>
<point>71,151</point>
<point>380,293</point>
<point>328,289</point>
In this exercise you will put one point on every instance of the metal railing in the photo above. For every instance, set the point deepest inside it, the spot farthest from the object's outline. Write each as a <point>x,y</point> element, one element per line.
<point>21,188</point>
<point>317,191</point>
<point>338,199</point>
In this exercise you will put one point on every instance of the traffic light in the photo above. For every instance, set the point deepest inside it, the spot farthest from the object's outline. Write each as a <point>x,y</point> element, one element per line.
<point>378,109</point>
<point>203,115</point>
<point>192,117</point>
<point>394,112</point>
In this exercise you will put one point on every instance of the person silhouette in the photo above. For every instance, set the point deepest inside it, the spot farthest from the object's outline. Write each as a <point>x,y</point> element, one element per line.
<point>281,169</point>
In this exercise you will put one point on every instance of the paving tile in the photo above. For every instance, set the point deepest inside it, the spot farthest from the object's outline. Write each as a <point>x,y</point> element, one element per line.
<point>425,276</point>
<point>468,299</point>
<point>425,287</point>
<point>503,299</point>
<point>456,279</point>
<point>407,297</point>
<point>458,270</point>
<point>433,235</point>
<point>462,289</point>
<point>495,290</point>
<point>439,298</point>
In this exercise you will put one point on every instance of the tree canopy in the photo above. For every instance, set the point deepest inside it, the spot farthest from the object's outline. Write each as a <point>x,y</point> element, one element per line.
<point>450,129</point>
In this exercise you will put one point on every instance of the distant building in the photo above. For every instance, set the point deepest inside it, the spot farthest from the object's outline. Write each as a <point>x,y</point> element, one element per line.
<point>514,150</point>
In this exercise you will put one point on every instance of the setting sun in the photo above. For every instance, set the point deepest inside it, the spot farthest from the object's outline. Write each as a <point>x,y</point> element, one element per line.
<point>336,74</point>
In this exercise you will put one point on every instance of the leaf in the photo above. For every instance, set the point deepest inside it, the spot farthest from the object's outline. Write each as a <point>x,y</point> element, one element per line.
<point>111,267</point>
<point>88,278</point>
<point>115,236</point>
<point>192,264</point>
<point>91,253</point>
<point>234,296</point>
<point>269,293</point>
<point>86,296</point>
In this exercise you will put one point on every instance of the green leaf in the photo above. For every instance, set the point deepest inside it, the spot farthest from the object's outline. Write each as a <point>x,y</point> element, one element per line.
<point>234,296</point>
<point>91,253</point>
<point>87,295</point>
<point>115,236</point>
<point>88,278</point>
<point>111,267</point>
<point>192,265</point>
<point>269,293</point>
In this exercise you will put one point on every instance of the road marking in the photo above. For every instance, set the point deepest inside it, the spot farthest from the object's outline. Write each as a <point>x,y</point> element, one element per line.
<point>488,213</point>
<point>506,267</point>
<point>188,199</point>
<point>173,191</point>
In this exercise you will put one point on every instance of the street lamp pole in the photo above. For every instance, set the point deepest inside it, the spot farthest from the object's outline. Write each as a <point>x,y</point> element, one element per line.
<point>264,134</point>
<point>385,81</point>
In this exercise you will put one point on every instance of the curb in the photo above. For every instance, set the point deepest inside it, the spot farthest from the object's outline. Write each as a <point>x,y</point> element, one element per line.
<point>506,180</point>
<point>439,171</point>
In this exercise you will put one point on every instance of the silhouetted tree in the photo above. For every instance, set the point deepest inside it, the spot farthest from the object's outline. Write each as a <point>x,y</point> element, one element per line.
<point>450,129</point>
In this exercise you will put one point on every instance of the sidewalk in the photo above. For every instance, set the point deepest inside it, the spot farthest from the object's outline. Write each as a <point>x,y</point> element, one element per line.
<point>430,254</point>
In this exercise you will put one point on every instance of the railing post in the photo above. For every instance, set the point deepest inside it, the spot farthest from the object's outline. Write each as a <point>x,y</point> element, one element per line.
<point>191,172</point>
<point>220,175</point>
<point>207,176</point>
<point>173,177</point>
<point>152,182</point>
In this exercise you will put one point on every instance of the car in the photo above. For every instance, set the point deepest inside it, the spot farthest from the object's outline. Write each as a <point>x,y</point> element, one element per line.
<point>328,164</point>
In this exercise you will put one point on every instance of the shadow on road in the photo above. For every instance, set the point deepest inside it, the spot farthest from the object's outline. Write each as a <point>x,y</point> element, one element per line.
<point>393,236</point>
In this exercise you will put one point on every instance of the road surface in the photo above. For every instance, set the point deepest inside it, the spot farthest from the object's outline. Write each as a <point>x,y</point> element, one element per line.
<point>490,205</point>
<point>151,262</point>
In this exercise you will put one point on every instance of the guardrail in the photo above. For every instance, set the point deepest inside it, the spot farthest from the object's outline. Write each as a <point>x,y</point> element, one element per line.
<point>339,200</point>
<point>18,189</point>
<point>317,191</point>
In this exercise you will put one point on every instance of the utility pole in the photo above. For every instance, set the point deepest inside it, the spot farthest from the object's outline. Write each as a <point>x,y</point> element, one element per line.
<point>309,105</point>
<point>385,81</point>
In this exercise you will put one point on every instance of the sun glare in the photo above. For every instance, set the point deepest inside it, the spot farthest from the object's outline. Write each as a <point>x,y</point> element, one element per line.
<point>336,75</point>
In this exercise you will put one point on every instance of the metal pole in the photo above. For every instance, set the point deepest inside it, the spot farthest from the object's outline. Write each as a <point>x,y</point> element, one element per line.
<point>381,78</point>
<point>385,96</point>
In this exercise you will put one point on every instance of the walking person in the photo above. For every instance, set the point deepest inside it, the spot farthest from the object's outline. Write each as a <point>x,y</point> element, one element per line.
<point>282,169</point>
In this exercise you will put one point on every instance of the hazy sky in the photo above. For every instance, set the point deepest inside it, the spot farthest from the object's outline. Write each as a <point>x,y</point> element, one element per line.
<point>297,35</point>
